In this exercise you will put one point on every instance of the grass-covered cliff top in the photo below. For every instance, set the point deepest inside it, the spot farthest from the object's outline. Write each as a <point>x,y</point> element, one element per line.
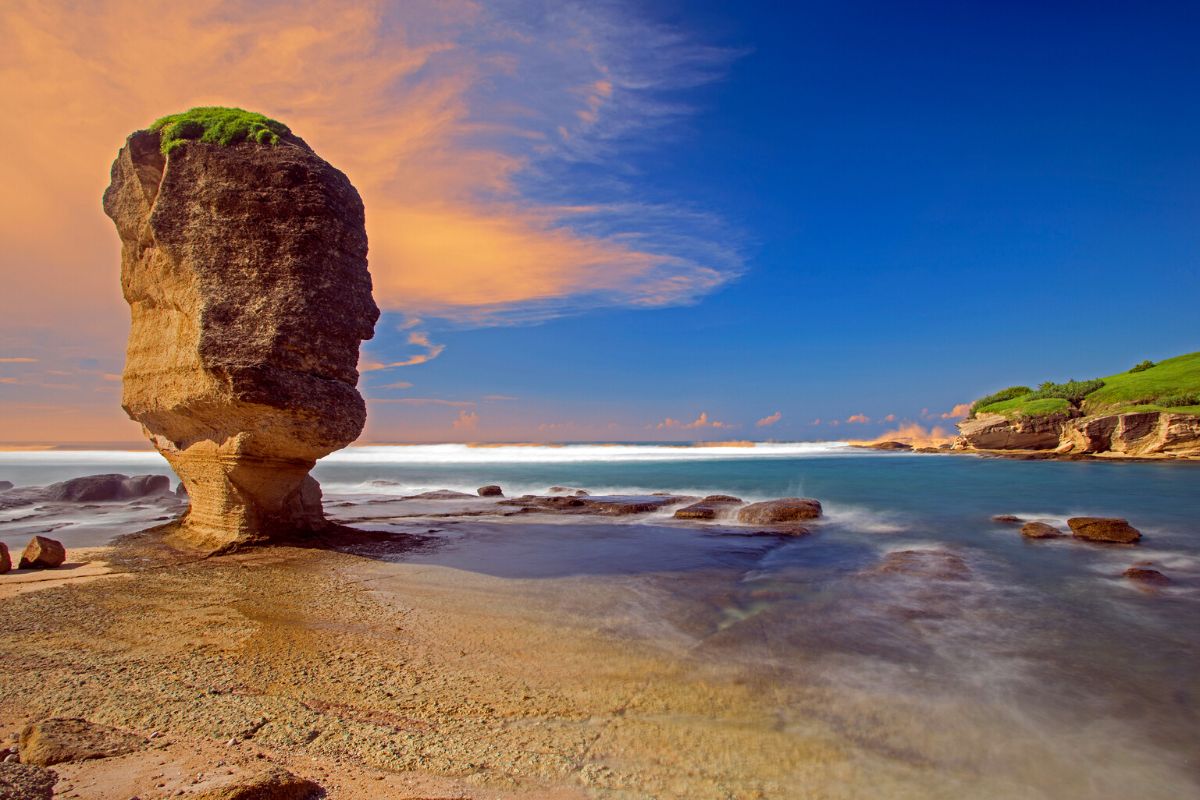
<point>217,125</point>
<point>1170,385</point>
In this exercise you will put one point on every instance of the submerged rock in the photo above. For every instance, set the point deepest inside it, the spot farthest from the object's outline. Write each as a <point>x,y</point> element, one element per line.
<point>787,509</point>
<point>54,741</point>
<point>1146,575</point>
<point>1040,530</point>
<point>1104,529</point>
<point>441,494</point>
<point>43,553</point>
<point>567,490</point>
<point>1007,518</point>
<point>612,505</point>
<point>491,490</point>
<point>245,269</point>
<point>928,564</point>
<point>26,782</point>
<point>711,507</point>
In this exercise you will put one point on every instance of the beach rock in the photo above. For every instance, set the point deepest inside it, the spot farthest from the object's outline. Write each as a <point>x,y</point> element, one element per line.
<point>5,486</point>
<point>1146,575</point>
<point>26,782</point>
<point>1007,518</point>
<point>101,488</point>
<point>272,784</point>
<point>245,268</point>
<point>567,490</point>
<point>491,490</point>
<point>711,507</point>
<point>5,559</point>
<point>1040,530</point>
<point>998,432</point>
<point>43,553</point>
<point>54,741</point>
<point>1104,529</point>
<point>788,509</point>
<point>612,505</point>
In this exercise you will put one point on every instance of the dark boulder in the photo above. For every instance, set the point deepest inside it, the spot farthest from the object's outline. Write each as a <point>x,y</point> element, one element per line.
<point>98,488</point>
<point>1007,518</point>
<point>491,490</point>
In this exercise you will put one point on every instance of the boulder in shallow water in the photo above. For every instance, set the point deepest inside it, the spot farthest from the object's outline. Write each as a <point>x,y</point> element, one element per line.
<point>26,782</point>
<point>1040,530</point>
<point>43,553</point>
<point>441,494</point>
<point>1106,530</point>
<point>245,268</point>
<point>1146,575</point>
<point>491,490</point>
<point>101,488</point>
<point>787,509</point>
<point>57,740</point>
<point>5,558</point>
<point>711,507</point>
<point>1008,519</point>
<point>895,446</point>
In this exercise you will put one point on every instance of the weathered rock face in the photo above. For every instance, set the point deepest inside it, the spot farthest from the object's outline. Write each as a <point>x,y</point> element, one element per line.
<point>789,509</point>
<point>1040,530</point>
<point>997,432</point>
<point>5,559</point>
<point>1138,434</point>
<point>245,268</point>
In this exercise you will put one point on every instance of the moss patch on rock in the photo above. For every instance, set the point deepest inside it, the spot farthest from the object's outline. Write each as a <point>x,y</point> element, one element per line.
<point>217,125</point>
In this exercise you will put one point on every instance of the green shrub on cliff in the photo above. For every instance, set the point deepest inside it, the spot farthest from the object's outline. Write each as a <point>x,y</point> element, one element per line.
<point>219,126</point>
<point>999,397</point>
<point>1173,384</point>
<point>1142,367</point>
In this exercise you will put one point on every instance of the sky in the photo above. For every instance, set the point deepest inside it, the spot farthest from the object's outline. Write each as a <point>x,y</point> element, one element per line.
<point>645,221</point>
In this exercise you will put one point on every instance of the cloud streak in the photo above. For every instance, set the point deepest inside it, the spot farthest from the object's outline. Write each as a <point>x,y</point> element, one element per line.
<point>769,420</point>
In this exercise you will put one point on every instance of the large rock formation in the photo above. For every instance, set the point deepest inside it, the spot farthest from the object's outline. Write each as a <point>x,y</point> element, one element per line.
<point>1137,434</point>
<point>245,268</point>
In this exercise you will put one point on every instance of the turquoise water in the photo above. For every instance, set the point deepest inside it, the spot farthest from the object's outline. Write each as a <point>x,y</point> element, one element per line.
<point>1041,663</point>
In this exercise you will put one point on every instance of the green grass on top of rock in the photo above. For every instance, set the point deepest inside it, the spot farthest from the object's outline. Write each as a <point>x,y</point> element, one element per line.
<point>217,125</point>
<point>1169,385</point>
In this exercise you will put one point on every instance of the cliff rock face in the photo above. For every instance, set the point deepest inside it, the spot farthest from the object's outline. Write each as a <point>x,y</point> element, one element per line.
<point>1137,434</point>
<point>245,269</point>
<point>997,432</point>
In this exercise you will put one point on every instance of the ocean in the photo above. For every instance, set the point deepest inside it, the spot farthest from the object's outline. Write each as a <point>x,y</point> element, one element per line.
<point>1034,664</point>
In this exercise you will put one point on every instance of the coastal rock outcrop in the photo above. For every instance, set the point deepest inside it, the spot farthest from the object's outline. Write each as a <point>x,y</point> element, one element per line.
<point>491,490</point>
<point>998,432</point>
<point>5,559</point>
<point>245,268</point>
<point>43,553</point>
<point>1134,434</point>
<point>1040,530</point>
<point>98,488</point>
<point>711,507</point>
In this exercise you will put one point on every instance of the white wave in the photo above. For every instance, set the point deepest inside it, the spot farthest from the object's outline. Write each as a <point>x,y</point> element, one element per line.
<point>145,458</point>
<point>577,453</point>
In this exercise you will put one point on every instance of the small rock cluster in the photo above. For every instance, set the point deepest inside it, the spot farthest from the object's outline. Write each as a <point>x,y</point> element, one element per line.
<point>40,553</point>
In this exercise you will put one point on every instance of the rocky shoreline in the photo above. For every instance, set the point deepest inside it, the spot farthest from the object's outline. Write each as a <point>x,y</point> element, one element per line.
<point>1137,435</point>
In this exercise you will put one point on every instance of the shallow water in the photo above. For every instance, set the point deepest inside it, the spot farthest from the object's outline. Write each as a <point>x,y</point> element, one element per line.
<point>1039,672</point>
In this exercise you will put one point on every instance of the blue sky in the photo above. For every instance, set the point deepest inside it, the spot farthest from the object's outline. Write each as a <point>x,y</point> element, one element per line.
<point>931,200</point>
<point>634,221</point>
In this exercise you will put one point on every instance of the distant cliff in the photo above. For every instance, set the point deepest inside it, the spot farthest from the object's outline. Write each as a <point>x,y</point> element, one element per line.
<point>1152,410</point>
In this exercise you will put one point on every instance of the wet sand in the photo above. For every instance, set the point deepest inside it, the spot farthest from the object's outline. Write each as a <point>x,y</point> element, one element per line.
<point>475,656</point>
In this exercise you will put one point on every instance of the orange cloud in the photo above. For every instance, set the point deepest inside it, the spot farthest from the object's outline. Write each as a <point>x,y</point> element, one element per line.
<point>418,338</point>
<point>769,420</point>
<point>860,419</point>
<point>890,418</point>
<point>914,434</point>
<point>466,421</point>
<point>17,360</point>
<point>701,421</point>
<point>960,411</point>
<point>422,401</point>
